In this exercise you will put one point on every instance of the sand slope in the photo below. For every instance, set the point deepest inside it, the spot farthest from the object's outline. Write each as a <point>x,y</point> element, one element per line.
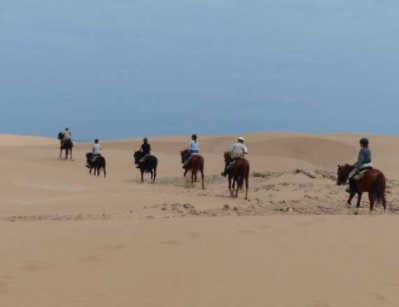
<point>70,239</point>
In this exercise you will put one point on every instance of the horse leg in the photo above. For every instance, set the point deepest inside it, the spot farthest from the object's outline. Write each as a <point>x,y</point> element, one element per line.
<point>238,188</point>
<point>359,199</point>
<point>233,188</point>
<point>384,204</point>
<point>60,153</point>
<point>91,168</point>
<point>71,155</point>
<point>230,185</point>
<point>350,199</point>
<point>152,174</point>
<point>246,188</point>
<point>371,198</point>
<point>105,172</point>
<point>142,175</point>
<point>193,176</point>
<point>203,179</point>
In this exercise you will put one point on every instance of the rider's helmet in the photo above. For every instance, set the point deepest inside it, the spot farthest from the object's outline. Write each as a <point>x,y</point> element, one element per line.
<point>96,141</point>
<point>145,140</point>
<point>241,139</point>
<point>194,137</point>
<point>66,129</point>
<point>364,142</point>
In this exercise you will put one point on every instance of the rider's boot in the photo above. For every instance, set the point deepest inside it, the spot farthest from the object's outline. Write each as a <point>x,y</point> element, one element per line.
<point>185,165</point>
<point>225,172</point>
<point>352,187</point>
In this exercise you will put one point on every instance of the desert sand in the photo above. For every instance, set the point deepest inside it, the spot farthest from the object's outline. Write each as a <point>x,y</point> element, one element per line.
<point>71,239</point>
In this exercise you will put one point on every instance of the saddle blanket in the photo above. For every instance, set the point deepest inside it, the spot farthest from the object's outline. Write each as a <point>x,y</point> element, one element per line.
<point>361,174</point>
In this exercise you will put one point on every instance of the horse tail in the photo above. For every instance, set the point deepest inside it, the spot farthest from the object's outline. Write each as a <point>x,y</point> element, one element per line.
<point>379,188</point>
<point>245,175</point>
<point>242,174</point>
<point>105,167</point>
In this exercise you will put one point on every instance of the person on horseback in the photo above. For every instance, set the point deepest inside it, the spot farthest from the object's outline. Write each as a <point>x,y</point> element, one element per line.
<point>363,163</point>
<point>145,148</point>
<point>96,152</point>
<point>193,149</point>
<point>238,151</point>
<point>66,136</point>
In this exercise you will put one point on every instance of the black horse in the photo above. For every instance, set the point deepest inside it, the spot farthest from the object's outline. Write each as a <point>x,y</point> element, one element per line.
<point>148,166</point>
<point>67,146</point>
<point>98,164</point>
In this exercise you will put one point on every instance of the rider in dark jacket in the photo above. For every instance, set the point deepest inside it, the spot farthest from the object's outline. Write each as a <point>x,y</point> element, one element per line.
<point>145,148</point>
<point>364,162</point>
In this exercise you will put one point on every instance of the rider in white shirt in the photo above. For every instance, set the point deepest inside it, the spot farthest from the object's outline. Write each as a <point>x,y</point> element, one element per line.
<point>193,149</point>
<point>96,152</point>
<point>238,151</point>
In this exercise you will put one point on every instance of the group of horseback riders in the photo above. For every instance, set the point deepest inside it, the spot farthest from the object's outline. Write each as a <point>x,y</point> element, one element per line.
<point>238,151</point>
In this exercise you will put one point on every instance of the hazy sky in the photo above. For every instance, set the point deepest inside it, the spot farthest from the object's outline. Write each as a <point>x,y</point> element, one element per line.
<point>129,68</point>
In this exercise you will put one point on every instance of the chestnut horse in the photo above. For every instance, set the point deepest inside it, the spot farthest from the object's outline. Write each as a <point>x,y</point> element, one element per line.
<point>195,165</point>
<point>238,173</point>
<point>373,182</point>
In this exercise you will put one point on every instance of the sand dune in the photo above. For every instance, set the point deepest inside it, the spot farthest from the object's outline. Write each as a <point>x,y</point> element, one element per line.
<point>13,140</point>
<point>70,239</point>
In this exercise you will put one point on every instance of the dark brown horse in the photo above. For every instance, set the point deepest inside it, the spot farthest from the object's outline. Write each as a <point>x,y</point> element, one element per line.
<point>150,165</point>
<point>195,165</point>
<point>373,182</point>
<point>238,173</point>
<point>67,146</point>
<point>97,165</point>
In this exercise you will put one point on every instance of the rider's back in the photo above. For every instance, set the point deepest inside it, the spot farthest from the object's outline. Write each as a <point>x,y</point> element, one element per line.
<point>194,146</point>
<point>238,150</point>
<point>364,157</point>
<point>96,149</point>
<point>66,136</point>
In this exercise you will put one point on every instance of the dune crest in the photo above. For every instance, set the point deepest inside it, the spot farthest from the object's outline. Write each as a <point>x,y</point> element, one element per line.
<point>16,140</point>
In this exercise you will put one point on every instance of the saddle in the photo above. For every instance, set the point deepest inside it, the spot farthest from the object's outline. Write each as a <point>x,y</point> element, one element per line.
<point>66,142</point>
<point>94,158</point>
<point>360,175</point>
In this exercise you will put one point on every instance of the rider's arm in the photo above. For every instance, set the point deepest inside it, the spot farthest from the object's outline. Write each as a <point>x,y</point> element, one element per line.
<point>245,150</point>
<point>360,160</point>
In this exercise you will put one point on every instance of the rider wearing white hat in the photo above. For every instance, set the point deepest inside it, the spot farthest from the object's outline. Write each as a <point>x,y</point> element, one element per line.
<point>238,151</point>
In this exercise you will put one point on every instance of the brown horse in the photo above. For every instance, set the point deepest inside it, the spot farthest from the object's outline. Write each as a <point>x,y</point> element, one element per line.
<point>373,182</point>
<point>195,165</point>
<point>238,173</point>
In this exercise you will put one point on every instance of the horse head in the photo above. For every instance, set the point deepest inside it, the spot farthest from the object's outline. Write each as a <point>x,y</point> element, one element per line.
<point>60,136</point>
<point>184,154</point>
<point>138,155</point>
<point>343,174</point>
<point>227,156</point>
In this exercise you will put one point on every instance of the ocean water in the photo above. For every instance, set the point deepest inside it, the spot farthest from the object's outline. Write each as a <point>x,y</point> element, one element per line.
<point>130,68</point>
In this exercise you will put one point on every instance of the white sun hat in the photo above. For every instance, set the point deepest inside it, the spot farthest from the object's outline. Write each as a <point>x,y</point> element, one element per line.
<point>241,139</point>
